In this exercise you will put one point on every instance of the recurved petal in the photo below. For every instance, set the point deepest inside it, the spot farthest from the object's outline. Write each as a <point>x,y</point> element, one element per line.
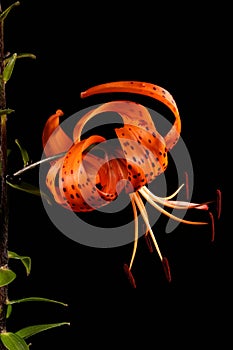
<point>131,113</point>
<point>79,175</point>
<point>54,139</point>
<point>147,89</point>
<point>52,183</point>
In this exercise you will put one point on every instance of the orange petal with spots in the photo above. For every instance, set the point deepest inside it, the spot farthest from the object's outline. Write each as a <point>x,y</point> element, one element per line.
<point>147,89</point>
<point>54,139</point>
<point>143,147</point>
<point>77,177</point>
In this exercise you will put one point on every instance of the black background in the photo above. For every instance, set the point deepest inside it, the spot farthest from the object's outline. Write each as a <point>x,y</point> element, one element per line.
<point>77,46</point>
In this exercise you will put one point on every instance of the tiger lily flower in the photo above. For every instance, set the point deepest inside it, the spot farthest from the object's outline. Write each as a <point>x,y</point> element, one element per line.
<point>82,180</point>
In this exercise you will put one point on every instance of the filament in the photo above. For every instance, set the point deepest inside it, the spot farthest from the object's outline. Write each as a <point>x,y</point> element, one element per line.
<point>148,197</point>
<point>142,209</point>
<point>174,204</point>
<point>135,231</point>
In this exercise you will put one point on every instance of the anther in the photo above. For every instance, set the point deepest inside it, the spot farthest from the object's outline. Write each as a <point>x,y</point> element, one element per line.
<point>212,226</point>
<point>166,269</point>
<point>148,242</point>
<point>219,203</point>
<point>129,275</point>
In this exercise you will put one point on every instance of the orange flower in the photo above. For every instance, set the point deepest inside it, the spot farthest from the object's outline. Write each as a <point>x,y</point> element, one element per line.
<point>91,174</point>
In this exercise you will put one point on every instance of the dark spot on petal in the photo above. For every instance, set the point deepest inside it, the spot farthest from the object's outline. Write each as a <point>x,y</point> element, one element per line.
<point>99,186</point>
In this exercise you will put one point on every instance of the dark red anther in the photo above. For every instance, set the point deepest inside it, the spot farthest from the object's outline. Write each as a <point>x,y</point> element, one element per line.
<point>148,242</point>
<point>219,203</point>
<point>212,226</point>
<point>166,269</point>
<point>129,275</point>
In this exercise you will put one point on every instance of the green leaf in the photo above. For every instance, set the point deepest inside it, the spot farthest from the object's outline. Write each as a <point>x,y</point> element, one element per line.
<point>4,14</point>
<point>21,55</point>
<point>9,67</point>
<point>9,311</point>
<point>26,260</point>
<point>6,276</point>
<point>24,153</point>
<point>26,55</point>
<point>26,187</point>
<point>13,341</point>
<point>18,301</point>
<point>35,299</point>
<point>6,111</point>
<point>32,330</point>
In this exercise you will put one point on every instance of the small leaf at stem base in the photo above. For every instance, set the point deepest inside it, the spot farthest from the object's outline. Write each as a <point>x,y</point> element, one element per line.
<point>6,276</point>
<point>32,330</point>
<point>5,13</point>
<point>26,260</point>
<point>35,299</point>
<point>13,341</point>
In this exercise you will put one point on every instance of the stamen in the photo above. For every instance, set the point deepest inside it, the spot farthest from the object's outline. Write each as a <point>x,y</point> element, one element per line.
<point>135,231</point>
<point>130,276</point>
<point>142,209</point>
<point>148,241</point>
<point>173,194</point>
<point>212,226</point>
<point>219,203</point>
<point>163,211</point>
<point>166,269</point>
<point>187,205</point>
<point>175,204</point>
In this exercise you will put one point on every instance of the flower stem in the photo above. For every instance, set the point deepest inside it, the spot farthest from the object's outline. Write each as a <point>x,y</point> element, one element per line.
<point>4,215</point>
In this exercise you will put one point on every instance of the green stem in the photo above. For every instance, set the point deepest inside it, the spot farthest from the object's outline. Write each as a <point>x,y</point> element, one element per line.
<point>3,188</point>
